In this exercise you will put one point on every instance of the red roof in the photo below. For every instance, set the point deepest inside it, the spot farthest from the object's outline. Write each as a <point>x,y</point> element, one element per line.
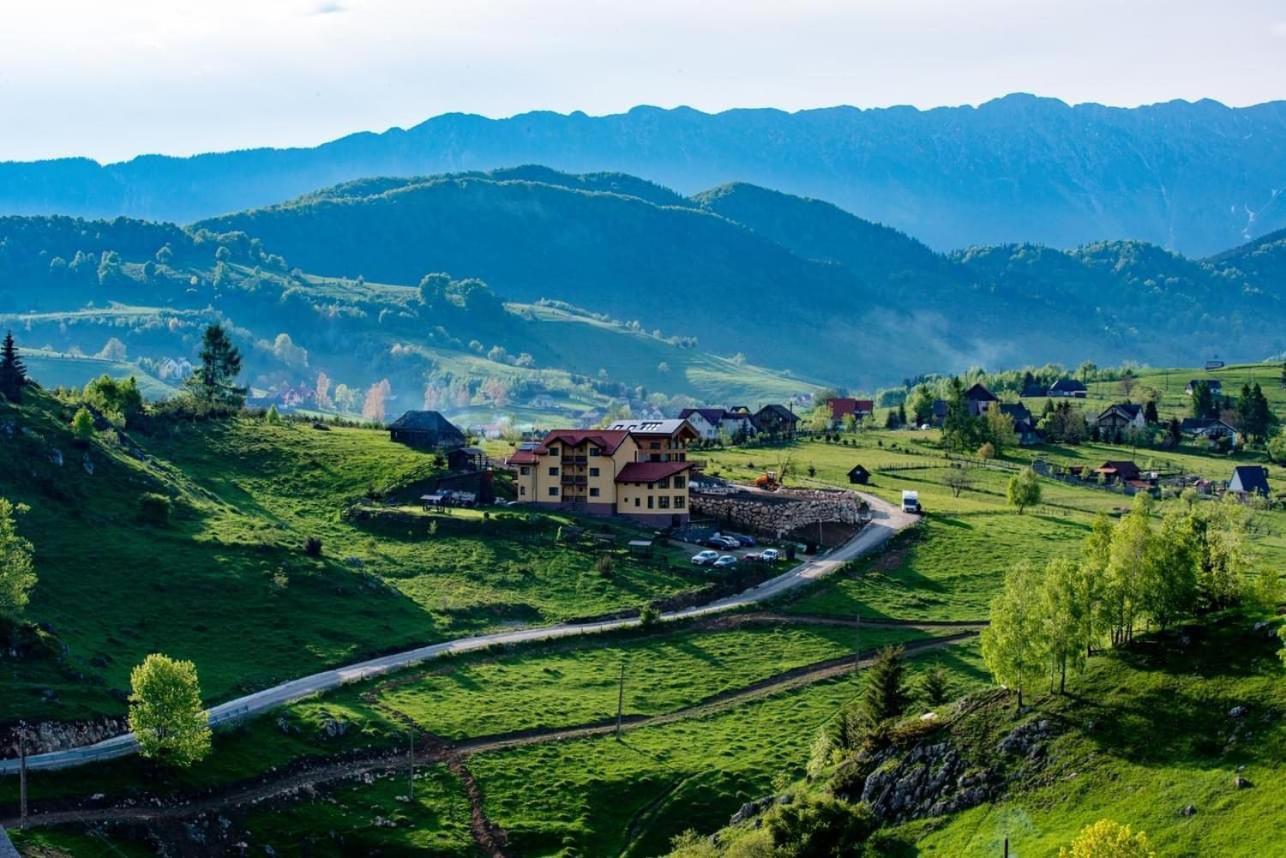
<point>524,457</point>
<point>608,439</point>
<point>650,472</point>
<point>842,406</point>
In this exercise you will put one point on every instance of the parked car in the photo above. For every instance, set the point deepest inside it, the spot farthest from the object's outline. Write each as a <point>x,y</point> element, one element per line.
<point>770,555</point>
<point>725,561</point>
<point>704,558</point>
<point>743,541</point>
<point>727,543</point>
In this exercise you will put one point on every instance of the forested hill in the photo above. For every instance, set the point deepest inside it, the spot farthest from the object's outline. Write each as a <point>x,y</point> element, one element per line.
<point>1196,177</point>
<point>791,282</point>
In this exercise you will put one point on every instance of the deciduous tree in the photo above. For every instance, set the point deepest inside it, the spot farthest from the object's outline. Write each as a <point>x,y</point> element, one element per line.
<point>1023,489</point>
<point>1013,644</point>
<point>165,711</point>
<point>1108,839</point>
<point>17,568</point>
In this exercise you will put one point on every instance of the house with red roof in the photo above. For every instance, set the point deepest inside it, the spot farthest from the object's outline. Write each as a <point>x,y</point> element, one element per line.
<point>638,469</point>
<point>845,406</point>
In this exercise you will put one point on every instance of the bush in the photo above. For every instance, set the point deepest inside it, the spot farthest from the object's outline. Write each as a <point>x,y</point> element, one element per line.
<point>313,546</point>
<point>987,451</point>
<point>82,425</point>
<point>649,616</point>
<point>154,508</point>
<point>605,566</point>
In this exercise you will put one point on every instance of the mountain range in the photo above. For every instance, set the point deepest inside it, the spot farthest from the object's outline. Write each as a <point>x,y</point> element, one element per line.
<point>1194,177</point>
<point>615,285</point>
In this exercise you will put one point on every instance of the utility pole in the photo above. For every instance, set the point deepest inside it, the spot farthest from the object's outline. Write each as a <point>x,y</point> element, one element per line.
<point>620,700</point>
<point>410,764</point>
<point>22,774</point>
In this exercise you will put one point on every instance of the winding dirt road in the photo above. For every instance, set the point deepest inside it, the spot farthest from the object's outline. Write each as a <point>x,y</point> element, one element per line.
<point>888,521</point>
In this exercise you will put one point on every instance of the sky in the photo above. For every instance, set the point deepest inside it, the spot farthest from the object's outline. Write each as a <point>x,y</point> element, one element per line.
<point>110,79</point>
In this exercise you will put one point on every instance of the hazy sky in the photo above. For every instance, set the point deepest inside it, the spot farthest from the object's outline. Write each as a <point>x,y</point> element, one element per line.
<point>114,78</point>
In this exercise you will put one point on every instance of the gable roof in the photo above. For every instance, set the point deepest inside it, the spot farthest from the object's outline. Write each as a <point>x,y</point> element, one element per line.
<point>842,406</point>
<point>979,393</point>
<point>1128,410</point>
<point>1214,385</point>
<point>1251,479</point>
<point>1016,410</point>
<point>858,469</point>
<point>423,421</point>
<point>667,427</point>
<point>777,412</point>
<point>1124,470</point>
<point>1067,385</point>
<point>713,416</point>
<point>650,472</point>
<point>1201,425</point>
<point>608,439</point>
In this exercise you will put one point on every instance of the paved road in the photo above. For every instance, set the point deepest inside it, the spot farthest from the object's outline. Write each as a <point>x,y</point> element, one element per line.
<point>888,521</point>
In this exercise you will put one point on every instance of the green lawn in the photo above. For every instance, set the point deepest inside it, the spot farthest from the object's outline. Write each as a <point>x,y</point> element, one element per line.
<point>342,823</point>
<point>607,797</point>
<point>227,583</point>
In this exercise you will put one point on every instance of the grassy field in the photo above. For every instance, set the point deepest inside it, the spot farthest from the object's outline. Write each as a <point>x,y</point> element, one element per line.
<point>227,583</point>
<point>1147,734</point>
<point>629,797</point>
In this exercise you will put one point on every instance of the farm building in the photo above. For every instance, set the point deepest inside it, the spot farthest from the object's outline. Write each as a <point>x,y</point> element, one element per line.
<point>776,421</point>
<point>1068,387</point>
<point>979,399</point>
<point>1118,419</point>
<point>859,476</point>
<point>1249,480</point>
<point>426,430</point>
<point>1206,427</point>
<point>1125,472</point>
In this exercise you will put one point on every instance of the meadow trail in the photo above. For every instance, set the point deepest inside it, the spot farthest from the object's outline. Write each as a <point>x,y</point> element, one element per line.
<point>303,781</point>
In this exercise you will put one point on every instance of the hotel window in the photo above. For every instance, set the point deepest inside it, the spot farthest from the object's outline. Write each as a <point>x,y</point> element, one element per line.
<point>679,481</point>
<point>524,470</point>
<point>553,491</point>
<point>663,501</point>
<point>522,490</point>
<point>680,502</point>
<point>663,483</point>
<point>594,451</point>
<point>593,472</point>
<point>649,501</point>
<point>593,493</point>
<point>655,445</point>
<point>553,451</point>
<point>553,472</point>
<point>636,502</point>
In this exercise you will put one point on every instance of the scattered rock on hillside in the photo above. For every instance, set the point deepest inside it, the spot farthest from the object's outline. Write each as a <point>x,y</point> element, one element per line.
<point>1190,810</point>
<point>1238,711</point>
<point>1240,782</point>
<point>1028,740</point>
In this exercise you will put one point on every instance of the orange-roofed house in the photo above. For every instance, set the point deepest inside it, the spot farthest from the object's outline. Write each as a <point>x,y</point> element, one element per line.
<point>638,469</point>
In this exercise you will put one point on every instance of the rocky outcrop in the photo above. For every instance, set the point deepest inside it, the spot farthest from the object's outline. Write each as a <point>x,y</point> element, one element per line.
<point>48,736</point>
<point>928,780</point>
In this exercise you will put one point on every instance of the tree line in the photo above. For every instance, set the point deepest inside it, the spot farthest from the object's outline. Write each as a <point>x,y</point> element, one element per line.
<point>1142,571</point>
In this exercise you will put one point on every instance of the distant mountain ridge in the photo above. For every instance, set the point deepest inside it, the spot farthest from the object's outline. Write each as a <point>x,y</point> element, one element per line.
<point>1196,177</point>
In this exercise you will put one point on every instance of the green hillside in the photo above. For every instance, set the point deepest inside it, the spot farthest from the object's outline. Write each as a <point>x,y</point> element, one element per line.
<point>227,582</point>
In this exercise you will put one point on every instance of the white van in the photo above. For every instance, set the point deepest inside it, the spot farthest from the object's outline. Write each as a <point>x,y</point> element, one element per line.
<point>911,502</point>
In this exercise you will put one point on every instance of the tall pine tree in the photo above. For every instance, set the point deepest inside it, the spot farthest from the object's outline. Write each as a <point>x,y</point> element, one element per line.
<point>13,374</point>
<point>214,381</point>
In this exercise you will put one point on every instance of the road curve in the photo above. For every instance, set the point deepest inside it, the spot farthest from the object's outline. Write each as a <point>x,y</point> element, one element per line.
<point>888,520</point>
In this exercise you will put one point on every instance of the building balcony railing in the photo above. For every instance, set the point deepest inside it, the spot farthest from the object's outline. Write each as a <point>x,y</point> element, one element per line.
<point>574,481</point>
<point>575,460</point>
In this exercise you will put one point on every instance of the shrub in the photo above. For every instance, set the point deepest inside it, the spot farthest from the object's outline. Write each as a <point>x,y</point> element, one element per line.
<point>313,546</point>
<point>649,616</point>
<point>154,508</point>
<point>272,417</point>
<point>987,451</point>
<point>605,566</point>
<point>82,425</point>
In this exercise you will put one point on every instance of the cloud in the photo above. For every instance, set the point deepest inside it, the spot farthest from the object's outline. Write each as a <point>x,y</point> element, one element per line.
<point>1278,28</point>
<point>329,7</point>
